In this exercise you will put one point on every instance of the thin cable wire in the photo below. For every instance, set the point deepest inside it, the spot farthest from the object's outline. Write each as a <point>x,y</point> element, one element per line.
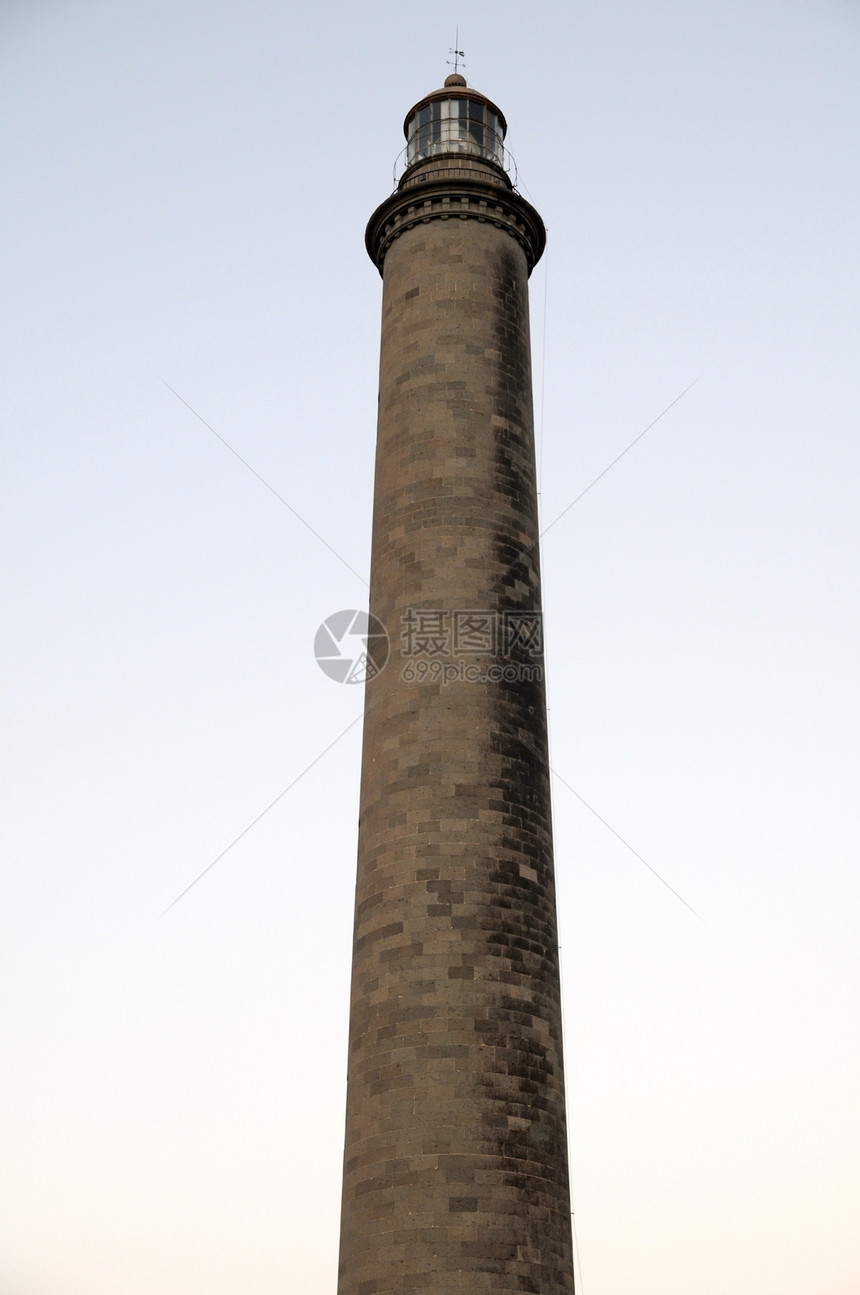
<point>581,1287</point>
<point>543,370</point>
<point>264,482</point>
<point>562,1001</point>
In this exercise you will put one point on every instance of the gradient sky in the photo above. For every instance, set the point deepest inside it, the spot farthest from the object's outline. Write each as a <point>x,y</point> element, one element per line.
<point>187,187</point>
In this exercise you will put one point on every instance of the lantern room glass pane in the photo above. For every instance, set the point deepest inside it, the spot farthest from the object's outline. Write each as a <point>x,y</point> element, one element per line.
<point>454,126</point>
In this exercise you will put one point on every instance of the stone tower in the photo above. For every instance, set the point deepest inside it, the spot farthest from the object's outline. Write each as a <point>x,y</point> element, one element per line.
<point>455,1167</point>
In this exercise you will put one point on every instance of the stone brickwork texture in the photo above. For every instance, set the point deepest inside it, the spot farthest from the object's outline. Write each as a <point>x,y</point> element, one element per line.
<point>455,1167</point>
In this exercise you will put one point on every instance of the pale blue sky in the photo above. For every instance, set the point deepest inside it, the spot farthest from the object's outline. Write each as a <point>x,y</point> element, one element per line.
<point>187,187</point>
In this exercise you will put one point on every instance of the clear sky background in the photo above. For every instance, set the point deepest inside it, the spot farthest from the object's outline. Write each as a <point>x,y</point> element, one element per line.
<point>186,187</point>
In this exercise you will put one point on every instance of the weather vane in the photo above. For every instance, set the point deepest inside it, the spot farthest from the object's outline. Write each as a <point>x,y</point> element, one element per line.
<point>458,53</point>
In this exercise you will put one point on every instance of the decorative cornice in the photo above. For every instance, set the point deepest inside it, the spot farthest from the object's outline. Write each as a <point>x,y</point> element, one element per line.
<point>455,199</point>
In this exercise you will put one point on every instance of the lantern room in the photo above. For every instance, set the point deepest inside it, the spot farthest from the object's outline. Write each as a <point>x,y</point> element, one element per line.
<point>458,120</point>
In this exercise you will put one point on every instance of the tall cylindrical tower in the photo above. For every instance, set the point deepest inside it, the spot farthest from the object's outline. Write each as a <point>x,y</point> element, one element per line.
<point>455,1168</point>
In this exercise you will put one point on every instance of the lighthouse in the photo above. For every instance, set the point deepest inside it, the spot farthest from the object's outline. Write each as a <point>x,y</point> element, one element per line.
<point>455,1163</point>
